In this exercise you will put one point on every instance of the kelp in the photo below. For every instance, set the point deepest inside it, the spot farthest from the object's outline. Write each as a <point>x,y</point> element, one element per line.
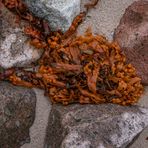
<point>79,69</point>
<point>88,69</point>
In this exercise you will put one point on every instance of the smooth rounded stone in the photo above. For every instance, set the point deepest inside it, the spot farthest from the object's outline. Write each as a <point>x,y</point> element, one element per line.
<point>132,36</point>
<point>17,113</point>
<point>58,13</point>
<point>15,49</point>
<point>94,126</point>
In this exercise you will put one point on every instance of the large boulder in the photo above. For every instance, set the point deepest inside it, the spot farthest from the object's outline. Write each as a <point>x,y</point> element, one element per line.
<point>15,49</point>
<point>58,13</point>
<point>94,126</point>
<point>17,113</point>
<point>132,36</point>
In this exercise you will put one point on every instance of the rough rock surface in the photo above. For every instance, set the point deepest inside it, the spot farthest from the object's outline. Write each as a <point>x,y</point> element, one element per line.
<point>132,36</point>
<point>15,49</point>
<point>92,126</point>
<point>17,113</point>
<point>58,13</point>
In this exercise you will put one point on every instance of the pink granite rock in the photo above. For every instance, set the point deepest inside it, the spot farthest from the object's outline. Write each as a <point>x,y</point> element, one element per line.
<point>132,36</point>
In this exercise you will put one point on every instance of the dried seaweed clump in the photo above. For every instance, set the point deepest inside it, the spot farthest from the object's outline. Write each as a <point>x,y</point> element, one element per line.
<point>84,69</point>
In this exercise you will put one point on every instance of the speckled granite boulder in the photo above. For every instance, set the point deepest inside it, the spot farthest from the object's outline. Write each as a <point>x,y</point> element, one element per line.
<point>17,113</point>
<point>132,36</point>
<point>94,126</point>
<point>15,49</point>
<point>58,13</point>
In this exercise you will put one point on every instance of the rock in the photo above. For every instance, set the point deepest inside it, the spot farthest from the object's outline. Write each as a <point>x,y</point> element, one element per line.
<point>58,13</point>
<point>17,113</point>
<point>94,126</point>
<point>15,49</point>
<point>132,36</point>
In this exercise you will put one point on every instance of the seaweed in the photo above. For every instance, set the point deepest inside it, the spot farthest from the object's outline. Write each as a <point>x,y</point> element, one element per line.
<point>76,69</point>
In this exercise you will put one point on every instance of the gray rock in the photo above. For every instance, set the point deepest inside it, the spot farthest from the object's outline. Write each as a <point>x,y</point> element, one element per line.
<point>94,126</point>
<point>17,113</point>
<point>15,49</point>
<point>58,13</point>
<point>132,36</point>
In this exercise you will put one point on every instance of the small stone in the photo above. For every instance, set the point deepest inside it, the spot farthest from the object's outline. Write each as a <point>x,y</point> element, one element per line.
<point>15,49</point>
<point>132,36</point>
<point>58,13</point>
<point>95,126</point>
<point>17,123</point>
